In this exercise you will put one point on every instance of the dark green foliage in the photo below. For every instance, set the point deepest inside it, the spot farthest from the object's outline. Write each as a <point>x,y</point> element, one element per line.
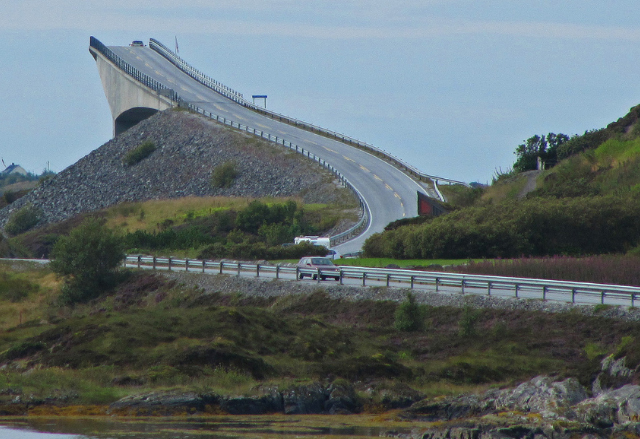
<point>224,175</point>
<point>23,219</point>
<point>141,152</point>
<point>410,315</point>
<point>88,260</point>
<point>533,227</point>
<point>543,147</point>
<point>255,232</point>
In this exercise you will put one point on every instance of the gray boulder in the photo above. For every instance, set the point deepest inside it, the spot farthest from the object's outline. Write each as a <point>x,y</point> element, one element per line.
<point>619,406</point>
<point>543,395</point>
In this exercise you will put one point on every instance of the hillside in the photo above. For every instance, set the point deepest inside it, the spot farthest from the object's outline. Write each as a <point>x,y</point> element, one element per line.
<point>188,149</point>
<point>586,204</point>
<point>163,343</point>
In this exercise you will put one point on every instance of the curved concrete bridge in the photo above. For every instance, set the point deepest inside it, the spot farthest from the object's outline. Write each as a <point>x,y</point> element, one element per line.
<point>139,81</point>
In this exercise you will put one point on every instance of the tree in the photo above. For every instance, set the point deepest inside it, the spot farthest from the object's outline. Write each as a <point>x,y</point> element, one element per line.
<point>88,260</point>
<point>529,152</point>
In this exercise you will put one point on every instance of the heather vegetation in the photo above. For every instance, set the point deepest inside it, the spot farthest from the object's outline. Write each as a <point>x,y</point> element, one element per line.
<point>607,269</point>
<point>150,333</point>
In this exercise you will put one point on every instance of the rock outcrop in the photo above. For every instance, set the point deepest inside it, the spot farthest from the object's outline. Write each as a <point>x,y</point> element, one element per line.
<point>188,148</point>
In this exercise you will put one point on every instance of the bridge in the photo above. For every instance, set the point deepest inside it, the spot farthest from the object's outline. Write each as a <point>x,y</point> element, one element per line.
<point>139,81</point>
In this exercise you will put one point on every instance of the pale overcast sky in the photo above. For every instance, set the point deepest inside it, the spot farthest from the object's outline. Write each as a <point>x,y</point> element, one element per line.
<point>450,86</point>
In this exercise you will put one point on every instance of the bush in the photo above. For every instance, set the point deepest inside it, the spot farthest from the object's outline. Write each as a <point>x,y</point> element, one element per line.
<point>23,219</point>
<point>88,260</point>
<point>410,315</point>
<point>140,153</point>
<point>468,321</point>
<point>224,176</point>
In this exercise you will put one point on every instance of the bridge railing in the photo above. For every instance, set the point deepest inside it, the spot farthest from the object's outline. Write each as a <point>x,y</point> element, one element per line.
<point>132,71</point>
<point>542,289</point>
<point>352,232</point>
<point>193,72</point>
<point>239,99</point>
<point>365,218</point>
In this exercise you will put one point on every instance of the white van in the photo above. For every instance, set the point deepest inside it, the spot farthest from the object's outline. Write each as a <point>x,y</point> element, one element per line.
<point>319,240</point>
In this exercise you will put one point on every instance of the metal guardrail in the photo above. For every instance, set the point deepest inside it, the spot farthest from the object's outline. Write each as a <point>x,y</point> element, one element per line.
<point>132,71</point>
<point>571,292</point>
<point>352,232</point>
<point>239,99</point>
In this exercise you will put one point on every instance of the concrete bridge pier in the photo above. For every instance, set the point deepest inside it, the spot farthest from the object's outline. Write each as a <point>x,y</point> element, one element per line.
<point>130,101</point>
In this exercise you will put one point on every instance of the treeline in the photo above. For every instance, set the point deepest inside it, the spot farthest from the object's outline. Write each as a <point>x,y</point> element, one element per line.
<point>534,227</point>
<point>255,232</point>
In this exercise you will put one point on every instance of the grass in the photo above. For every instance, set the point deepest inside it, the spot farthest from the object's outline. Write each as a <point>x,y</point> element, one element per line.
<point>149,215</point>
<point>151,334</point>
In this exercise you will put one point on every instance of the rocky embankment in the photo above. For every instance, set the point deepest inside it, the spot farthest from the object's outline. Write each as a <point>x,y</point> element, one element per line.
<point>189,148</point>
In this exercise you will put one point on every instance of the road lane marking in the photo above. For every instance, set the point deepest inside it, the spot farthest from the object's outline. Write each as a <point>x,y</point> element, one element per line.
<point>348,159</point>
<point>329,149</point>
<point>395,194</point>
<point>376,177</point>
<point>364,169</point>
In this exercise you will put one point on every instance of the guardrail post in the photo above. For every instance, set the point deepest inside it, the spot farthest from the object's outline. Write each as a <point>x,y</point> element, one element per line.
<point>341,274</point>
<point>462,285</point>
<point>437,284</point>
<point>517,286</point>
<point>186,264</point>
<point>169,263</point>
<point>318,275</point>
<point>412,280</point>
<point>633,297</point>
<point>154,262</point>
<point>139,261</point>
<point>297,273</point>
<point>257,270</point>
<point>544,292</point>
<point>364,279</point>
<point>388,279</point>
<point>239,268</point>
<point>278,271</point>
<point>204,264</point>
<point>602,297</point>
<point>221,265</point>
<point>573,295</point>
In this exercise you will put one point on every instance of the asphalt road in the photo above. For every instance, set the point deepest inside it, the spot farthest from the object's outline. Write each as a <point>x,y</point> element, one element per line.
<point>389,192</point>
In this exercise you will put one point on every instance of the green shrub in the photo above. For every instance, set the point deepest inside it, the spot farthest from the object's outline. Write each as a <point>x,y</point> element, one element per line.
<point>139,153</point>
<point>88,260</point>
<point>468,321</point>
<point>23,219</point>
<point>410,315</point>
<point>224,176</point>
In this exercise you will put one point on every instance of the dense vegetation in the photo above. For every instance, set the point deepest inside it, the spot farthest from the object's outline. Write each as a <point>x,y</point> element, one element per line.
<point>584,203</point>
<point>539,227</point>
<point>202,227</point>
<point>150,333</point>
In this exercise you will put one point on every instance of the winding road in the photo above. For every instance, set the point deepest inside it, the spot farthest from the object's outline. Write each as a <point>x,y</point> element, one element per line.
<point>389,192</point>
